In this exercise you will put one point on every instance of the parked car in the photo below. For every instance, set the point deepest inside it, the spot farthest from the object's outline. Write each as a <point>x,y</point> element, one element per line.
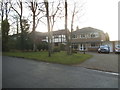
<point>104,49</point>
<point>117,49</point>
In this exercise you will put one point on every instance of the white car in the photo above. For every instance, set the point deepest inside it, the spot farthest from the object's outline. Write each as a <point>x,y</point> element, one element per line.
<point>117,49</point>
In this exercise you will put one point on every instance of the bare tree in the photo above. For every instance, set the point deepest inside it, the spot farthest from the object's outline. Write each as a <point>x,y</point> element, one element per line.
<point>55,12</point>
<point>36,9</point>
<point>5,26</point>
<point>66,25</point>
<point>16,22</point>
<point>48,23</point>
<point>2,15</point>
<point>5,9</point>
<point>19,3</point>
<point>33,9</point>
<point>74,12</point>
<point>2,10</point>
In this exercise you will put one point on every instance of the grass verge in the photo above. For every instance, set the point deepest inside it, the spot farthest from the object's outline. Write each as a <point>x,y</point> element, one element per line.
<point>59,57</point>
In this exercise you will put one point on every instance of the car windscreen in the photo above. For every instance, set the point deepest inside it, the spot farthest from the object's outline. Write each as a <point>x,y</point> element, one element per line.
<point>118,46</point>
<point>103,47</point>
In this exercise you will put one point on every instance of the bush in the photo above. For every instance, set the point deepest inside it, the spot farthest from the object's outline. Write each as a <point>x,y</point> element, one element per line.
<point>42,46</point>
<point>56,49</point>
<point>74,51</point>
<point>62,47</point>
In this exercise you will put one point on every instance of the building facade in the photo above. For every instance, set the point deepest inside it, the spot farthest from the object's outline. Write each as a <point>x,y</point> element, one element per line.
<point>88,39</point>
<point>57,37</point>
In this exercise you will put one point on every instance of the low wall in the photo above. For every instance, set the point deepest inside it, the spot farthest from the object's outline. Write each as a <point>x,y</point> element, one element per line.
<point>93,49</point>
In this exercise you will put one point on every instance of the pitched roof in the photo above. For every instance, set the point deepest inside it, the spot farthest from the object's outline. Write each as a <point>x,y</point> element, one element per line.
<point>40,33</point>
<point>87,30</point>
<point>59,32</point>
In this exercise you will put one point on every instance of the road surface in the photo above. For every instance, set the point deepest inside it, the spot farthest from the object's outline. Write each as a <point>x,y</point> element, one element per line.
<point>24,73</point>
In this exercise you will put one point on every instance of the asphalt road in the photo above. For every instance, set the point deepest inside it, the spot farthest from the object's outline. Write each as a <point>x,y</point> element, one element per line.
<point>23,73</point>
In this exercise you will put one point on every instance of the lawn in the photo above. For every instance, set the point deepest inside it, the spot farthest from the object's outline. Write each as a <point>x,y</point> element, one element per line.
<point>58,57</point>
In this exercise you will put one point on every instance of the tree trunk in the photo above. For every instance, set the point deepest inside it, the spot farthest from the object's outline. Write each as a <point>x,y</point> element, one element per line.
<point>6,10</point>
<point>67,39</point>
<point>2,11</point>
<point>48,23</point>
<point>34,45</point>
<point>17,26</point>
<point>22,37</point>
<point>71,33</point>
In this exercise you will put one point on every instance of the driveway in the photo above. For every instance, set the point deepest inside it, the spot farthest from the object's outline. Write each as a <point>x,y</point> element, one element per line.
<point>104,62</point>
<point>24,73</point>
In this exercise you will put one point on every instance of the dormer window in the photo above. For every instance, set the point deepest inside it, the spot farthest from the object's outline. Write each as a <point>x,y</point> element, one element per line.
<point>93,35</point>
<point>82,36</point>
<point>74,36</point>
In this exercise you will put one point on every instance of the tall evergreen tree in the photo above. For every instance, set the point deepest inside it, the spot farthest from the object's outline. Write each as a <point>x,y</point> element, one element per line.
<point>107,36</point>
<point>5,29</point>
<point>25,33</point>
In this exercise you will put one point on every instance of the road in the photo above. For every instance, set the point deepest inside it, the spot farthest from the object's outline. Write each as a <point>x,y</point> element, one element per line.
<point>23,73</point>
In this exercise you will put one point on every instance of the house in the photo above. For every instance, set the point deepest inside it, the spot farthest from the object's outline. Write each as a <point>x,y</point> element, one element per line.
<point>58,37</point>
<point>88,39</point>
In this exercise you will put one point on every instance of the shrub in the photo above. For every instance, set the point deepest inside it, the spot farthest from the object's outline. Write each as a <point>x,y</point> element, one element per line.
<point>62,47</point>
<point>42,46</point>
<point>56,49</point>
<point>74,51</point>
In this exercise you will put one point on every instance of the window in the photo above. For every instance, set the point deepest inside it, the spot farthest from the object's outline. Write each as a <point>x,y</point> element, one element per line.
<point>56,36</point>
<point>96,35</point>
<point>93,45</point>
<point>63,36</point>
<point>93,35</point>
<point>74,46</point>
<point>74,36</point>
<point>82,36</point>
<point>44,37</point>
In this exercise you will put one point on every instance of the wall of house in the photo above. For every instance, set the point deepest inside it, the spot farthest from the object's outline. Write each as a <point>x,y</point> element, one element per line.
<point>117,43</point>
<point>59,38</point>
<point>89,46</point>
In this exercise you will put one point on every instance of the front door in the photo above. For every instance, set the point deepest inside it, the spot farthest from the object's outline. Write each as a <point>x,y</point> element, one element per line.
<point>81,47</point>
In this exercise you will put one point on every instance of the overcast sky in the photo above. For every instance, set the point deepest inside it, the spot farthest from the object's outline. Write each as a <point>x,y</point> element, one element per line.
<point>103,14</point>
<point>100,14</point>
